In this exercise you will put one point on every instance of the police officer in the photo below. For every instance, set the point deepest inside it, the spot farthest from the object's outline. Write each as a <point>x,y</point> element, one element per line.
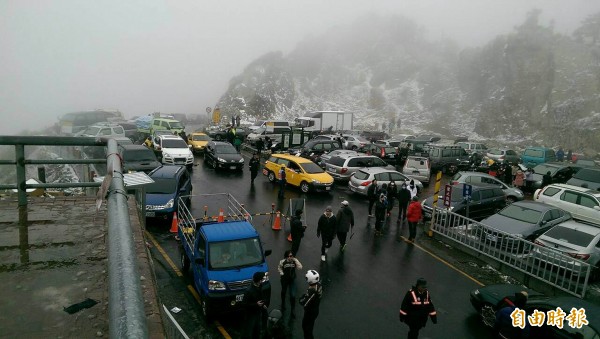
<point>255,306</point>
<point>287,271</point>
<point>416,307</point>
<point>311,301</point>
<point>297,230</point>
<point>254,164</point>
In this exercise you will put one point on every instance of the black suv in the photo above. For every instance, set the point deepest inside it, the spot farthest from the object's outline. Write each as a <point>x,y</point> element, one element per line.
<point>219,154</point>
<point>386,153</point>
<point>448,158</point>
<point>485,201</point>
<point>138,158</point>
<point>315,147</point>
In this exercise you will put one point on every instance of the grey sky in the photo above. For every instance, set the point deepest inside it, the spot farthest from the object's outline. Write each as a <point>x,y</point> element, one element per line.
<point>141,56</point>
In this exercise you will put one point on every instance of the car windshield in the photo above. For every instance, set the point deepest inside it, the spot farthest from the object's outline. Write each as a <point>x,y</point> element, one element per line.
<point>375,162</point>
<point>521,213</point>
<point>260,130</point>
<point>226,149</point>
<point>570,235</point>
<point>234,254</point>
<point>420,164</point>
<point>494,151</point>
<point>92,130</point>
<point>200,138</point>
<point>543,168</point>
<point>535,153</point>
<point>585,162</point>
<point>389,150</point>
<point>457,194</point>
<point>139,155</point>
<point>174,143</point>
<point>162,186</point>
<point>176,125</point>
<point>588,175</point>
<point>311,168</point>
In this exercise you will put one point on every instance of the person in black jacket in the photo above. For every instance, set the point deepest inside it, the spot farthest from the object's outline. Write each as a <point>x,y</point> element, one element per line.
<point>403,201</point>
<point>311,301</point>
<point>254,164</point>
<point>372,195</point>
<point>380,209</point>
<point>416,307</point>
<point>546,179</point>
<point>326,228</point>
<point>392,192</point>
<point>255,305</point>
<point>260,145</point>
<point>345,222</point>
<point>287,270</point>
<point>297,230</point>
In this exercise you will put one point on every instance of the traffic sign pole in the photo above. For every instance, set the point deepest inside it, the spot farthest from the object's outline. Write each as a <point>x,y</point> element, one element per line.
<point>438,182</point>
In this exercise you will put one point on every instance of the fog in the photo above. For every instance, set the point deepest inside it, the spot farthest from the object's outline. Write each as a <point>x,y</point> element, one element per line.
<point>145,56</point>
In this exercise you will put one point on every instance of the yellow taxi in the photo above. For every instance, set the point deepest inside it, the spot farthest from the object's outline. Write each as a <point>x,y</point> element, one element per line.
<point>299,172</point>
<point>198,142</point>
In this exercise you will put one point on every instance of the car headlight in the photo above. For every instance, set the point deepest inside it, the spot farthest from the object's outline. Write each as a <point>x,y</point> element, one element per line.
<point>241,160</point>
<point>167,155</point>
<point>316,181</point>
<point>169,203</point>
<point>216,285</point>
<point>221,160</point>
<point>265,278</point>
<point>476,293</point>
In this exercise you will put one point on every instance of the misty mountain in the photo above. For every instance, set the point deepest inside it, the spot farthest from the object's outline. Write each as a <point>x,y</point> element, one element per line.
<point>531,85</point>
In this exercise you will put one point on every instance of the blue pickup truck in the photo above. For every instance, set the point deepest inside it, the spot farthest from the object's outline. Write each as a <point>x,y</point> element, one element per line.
<point>223,255</point>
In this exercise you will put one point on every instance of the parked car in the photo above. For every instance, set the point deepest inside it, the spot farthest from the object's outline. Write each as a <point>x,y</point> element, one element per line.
<point>342,167</point>
<point>315,147</point>
<point>503,154</point>
<point>448,158</point>
<point>221,134</point>
<point>559,171</point>
<point>387,153</point>
<point>578,240</point>
<point>105,129</point>
<point>473,147</point>
<point>362,178</point>
<point>523,219</point>
<point>222,155</point>
<point>586,177</point>
<point>156,135</point>
<point>402,137</point>
<point>488,299</point>
<point>582,203</point>
<point>389,142</point>
<point>300,172</point>
<point>354,142</point>
<point>485,201</point>
<point>138,158</point>
<point>198,141</point>
<point>162,196</point>
<point>374,135</point>
<point>175,151</point>
<point>415,147</point>
<point>326,137</point>
<point>533,156</point>
<point>417,168</point>
<point>476,178</point>
<point>346,152</point>
<point>585,163</point>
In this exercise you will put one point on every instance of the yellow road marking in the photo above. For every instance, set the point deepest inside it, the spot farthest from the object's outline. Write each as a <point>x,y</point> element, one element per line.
<point>443,261</point>
<point>190,287</point>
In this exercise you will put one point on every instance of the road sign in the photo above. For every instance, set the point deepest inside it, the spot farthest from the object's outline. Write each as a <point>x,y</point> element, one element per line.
<point>216,118</point>
<point>467,191</point>
<point>208,109</point>
<point>447,195</point>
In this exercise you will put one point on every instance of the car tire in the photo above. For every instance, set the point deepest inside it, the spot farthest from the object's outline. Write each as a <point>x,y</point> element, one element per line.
<point>218,137</point>
<point>510,200</point>
<point>354,147</point>
<point>304,187</point>
<point>271,176</point>
<point>488,315</point>
<point>185,262</point>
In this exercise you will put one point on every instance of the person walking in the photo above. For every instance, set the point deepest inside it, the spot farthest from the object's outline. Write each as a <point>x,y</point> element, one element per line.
<point>237,121</point>
<point>282,181</point>
<point>529,180</point>
<point>311,301</point>
<point>507,173</point>
<point>237,143</point>
<point>254,164</point>
<point>569,155</point>
<point>560,155</point>
<point>255,305</point>
<point>416,308</point>
<point>345,222</point>
<point>414,215</point>
<point>372,195</point>
<point>326,228</point>
<point>413,189</point>
<point>287,271</point>
<point>260,145</point>
<point>546,179</point>
<point>268,143</point>
<point>297,231</point>
<point>380,211</point>
<point>519,179</point>
<point>404,197</point>
<point>503,326</point>
<point>392,193</point>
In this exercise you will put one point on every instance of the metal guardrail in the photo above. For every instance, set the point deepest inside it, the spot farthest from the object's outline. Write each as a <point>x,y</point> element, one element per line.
<point>127,318</point>
<point>548,265</point>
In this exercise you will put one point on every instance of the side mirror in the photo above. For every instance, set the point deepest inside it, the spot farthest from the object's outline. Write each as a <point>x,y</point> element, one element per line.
<point>268,253</point>
<point>199,261</point>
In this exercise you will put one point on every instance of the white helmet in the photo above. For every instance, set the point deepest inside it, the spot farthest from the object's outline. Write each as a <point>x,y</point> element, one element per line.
<point>312,277</point>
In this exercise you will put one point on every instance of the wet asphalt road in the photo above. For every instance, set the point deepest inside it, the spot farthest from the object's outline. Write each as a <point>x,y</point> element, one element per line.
<point>363,286</point>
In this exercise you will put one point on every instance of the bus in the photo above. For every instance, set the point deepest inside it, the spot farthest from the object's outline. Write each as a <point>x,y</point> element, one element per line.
<point>71,123</point>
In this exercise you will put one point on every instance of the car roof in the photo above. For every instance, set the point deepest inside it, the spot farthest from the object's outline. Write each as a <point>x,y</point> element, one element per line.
<point>534,205</point>
<point>128,147</point>
<point>167,119</point>
<point>228,230</point>
<point>292,157</point>
<point>476,174</point>
<point>348,156</point>
<point>417,158</point>
<point>220,143</point>
<point>376,170</point>
<point>576,188</point>
<point>169,136</point>
<point>199,133</point>
<point>477,187</point>
<point>581,226</point>
<point>166,172</point>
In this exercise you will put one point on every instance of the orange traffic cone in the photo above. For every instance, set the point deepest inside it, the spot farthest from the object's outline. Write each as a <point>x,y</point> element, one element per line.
<point>277,223</point>
<point>174,223</point>
<point>221,216</point>
<point>290,237</point>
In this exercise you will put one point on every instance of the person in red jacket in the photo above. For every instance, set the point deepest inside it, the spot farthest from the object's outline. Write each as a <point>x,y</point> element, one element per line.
<point>413,215</point>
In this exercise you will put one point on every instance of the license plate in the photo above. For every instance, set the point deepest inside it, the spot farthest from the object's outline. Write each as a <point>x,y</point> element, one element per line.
<point>327,188</point>
<point>150,214</point>
<point>392,156</point>
<point>232,167</point>
<point>239,297</point>
<point>492,238</point>
<point>265,172</point>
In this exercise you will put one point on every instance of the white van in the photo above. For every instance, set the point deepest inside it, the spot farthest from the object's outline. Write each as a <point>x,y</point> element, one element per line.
<point>274,132</point>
